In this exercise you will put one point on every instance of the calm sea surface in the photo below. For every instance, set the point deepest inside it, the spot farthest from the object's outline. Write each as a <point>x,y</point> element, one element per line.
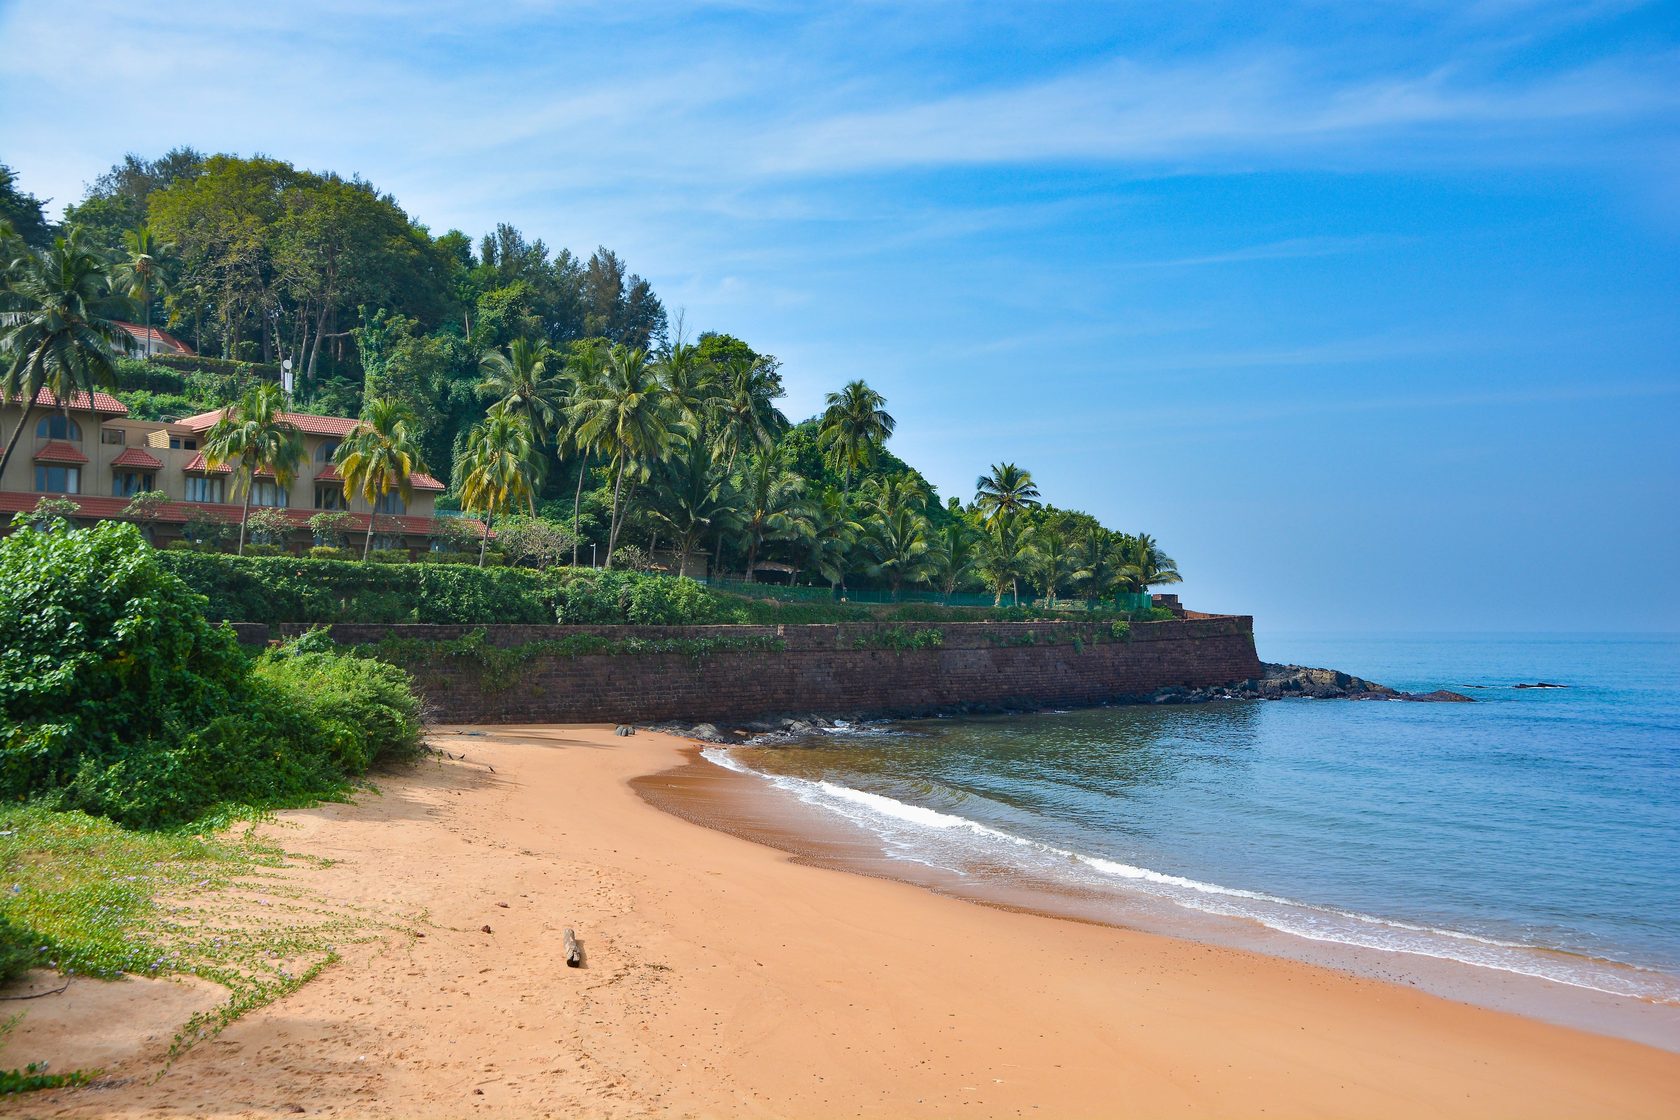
<point>1535,832</point>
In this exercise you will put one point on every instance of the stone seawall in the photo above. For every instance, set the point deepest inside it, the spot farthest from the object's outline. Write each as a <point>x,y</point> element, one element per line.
<point>737,673</point>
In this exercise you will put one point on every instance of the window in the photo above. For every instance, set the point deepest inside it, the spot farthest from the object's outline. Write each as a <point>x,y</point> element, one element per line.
<point>329,497</point>
<point>176,443</point>
<point>58,426</point>
<point>325,452</point>
<point>202,489</point>
<point>130,483</point>
<point>115,437</point>
<point>268,493</point>
<point>392,503</point>
<point>389,541</point>
<point>51,479</point>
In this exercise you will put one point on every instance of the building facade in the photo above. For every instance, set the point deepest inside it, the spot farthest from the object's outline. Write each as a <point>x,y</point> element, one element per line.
<point>96,455</point>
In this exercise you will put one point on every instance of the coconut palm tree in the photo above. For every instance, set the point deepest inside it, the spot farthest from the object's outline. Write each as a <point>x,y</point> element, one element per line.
<point>1006,557</point>
<point>584,368</point>
<point>952,554</point>
<point>53,333</point>
<point>140,275</point>
<point>1006,491</point>
<point>773,506</point>
<point>380,457</point>
<point>896,544</point>
<point>496,471</point>
<point>254,438</point>
<point>854,425</point>
<point>634,420</point>
<point>745,408</point>
<point>527,380</point>
<point>830,535</point>
<point>1146,565</point>
<point>695,499</point>
<point>1054,559</point>
<point>1098,558</point>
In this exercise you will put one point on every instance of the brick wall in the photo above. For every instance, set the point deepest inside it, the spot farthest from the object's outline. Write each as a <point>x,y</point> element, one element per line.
<point>836,670</point>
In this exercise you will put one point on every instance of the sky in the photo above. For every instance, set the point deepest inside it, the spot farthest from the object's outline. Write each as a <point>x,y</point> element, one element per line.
<point>1370,312</point>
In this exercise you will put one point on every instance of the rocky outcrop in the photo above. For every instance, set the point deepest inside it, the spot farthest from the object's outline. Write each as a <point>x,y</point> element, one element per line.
<point>1286,682</point>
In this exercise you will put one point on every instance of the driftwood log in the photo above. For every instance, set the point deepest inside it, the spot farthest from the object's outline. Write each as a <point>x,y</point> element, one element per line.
<point>574,952</point>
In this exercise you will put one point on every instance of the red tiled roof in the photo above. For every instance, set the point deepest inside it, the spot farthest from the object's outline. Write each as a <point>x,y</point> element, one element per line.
<point>160,341</point>
<point>134,457</point>
<point>329,473</point>
<point>419,480</point>
<point>59,452</point>
<point>304,422</point>
<point>199,466</point>
<point>102,402</point>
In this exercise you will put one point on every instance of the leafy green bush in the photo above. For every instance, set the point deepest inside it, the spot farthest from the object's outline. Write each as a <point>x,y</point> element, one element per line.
<point>17,950</point>
<point>361,711</point>
<point>119,699</point>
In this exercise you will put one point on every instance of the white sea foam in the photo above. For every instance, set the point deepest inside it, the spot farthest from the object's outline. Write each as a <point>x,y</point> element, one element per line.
<point>926,836</point>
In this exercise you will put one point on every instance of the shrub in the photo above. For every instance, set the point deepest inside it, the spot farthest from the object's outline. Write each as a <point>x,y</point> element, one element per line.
<point>17,950</point>
<point>388,555</point>
<point>331,552</point>
<point>361,711</point>
<point>119,699</point>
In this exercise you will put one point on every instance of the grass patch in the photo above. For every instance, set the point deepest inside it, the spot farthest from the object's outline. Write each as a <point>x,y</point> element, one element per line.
<point>92,899</point>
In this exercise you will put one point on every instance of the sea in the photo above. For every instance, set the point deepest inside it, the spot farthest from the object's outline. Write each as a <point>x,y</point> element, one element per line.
<point>1533,834</point>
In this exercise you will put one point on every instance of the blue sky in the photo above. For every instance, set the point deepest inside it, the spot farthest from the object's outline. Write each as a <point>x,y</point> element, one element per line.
<point>1369,311</point>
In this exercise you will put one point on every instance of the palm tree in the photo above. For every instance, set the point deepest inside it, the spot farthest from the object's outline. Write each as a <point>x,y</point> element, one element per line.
<point>854,425</point>
<point>522,381</point>
<point>745,407</point>
<point>139,274</point>
<point>632,417</point>
<point>52,332</point>
<point>952,555</point>
<point>1006,491</point>
<point>1099,558</point>
<point>380,457</point>
<point>1006,556</point>
<point>896,543</point>
<point>694,500</point>
<point>830,534</point>
<point>1146,565</point>
<point>1055,559</point>
<point>254,437</point>
<point>497,471</point>
<point>585,369</point>
<point>773,505</point>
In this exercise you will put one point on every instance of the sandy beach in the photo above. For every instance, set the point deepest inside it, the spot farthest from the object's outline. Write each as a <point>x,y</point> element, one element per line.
<point>726,978</point>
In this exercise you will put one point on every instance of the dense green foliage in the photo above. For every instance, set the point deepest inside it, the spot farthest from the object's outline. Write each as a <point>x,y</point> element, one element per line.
<point>537,383</point>
<point>118,697</point>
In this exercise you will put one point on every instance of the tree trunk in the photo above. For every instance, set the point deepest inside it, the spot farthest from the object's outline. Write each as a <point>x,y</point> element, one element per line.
<point>577,506</point>
<point>373,515</point>
<point>484,538</point>
<point>612,531</point>
<point>315,347</point>
<point>246,515</point>
<point>148,297</point>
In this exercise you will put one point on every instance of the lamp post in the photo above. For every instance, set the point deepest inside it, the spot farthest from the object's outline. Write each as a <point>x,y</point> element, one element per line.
<point>592,547</point>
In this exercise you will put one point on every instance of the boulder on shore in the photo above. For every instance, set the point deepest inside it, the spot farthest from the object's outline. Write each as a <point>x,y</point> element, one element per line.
<point>1285,682</point>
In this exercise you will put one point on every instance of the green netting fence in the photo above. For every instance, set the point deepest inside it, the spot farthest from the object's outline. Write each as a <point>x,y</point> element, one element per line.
<point>787,593</point>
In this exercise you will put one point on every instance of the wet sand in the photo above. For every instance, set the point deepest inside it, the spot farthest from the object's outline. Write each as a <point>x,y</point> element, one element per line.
<point>724,978</point>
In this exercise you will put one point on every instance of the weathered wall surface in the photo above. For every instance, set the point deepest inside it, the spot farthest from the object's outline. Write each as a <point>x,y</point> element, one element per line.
<point>835,671</point>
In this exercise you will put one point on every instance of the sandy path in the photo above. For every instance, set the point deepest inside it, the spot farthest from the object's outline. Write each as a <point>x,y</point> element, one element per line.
<point>724,980</point>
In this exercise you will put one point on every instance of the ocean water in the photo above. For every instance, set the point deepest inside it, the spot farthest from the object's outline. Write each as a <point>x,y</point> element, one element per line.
<point>1535,832</point>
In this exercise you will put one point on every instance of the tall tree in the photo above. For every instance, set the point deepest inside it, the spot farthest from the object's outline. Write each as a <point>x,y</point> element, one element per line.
<point>1146,565</point>
<point>773,506</point>
<point>855,424</point>
<point>1006,491</point>
<point>23,211</point>
<point>254,438</point>
<point>496,470</point>
<point>952,555</point>
<point>1006,556</point>
<point>747,416</point>
<point>631,417</point>
<point>896,543</point>
<point>1098,560</point>
<point>140,274</point>
<point>695,499</point>
<point>380,457</point>
<point>1055,559</point>
<point>53,333</point>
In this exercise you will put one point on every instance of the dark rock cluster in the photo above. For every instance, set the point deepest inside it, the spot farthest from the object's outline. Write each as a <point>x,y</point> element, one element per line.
<point>1287,682</point>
